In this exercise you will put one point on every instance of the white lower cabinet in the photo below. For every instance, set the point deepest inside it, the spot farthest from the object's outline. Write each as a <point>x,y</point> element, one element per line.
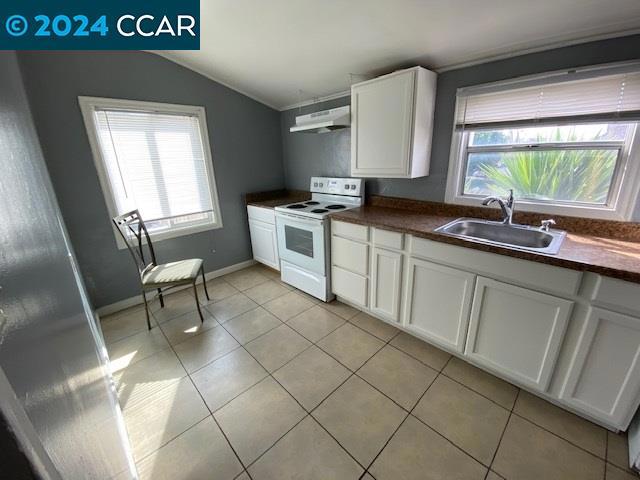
<point>438,302</point>
<point>349,285</point>
<point>386,283</point>
<point>444,294</point>
<point>264,243</point>
<point>604,377</point>
<point>516,332</point>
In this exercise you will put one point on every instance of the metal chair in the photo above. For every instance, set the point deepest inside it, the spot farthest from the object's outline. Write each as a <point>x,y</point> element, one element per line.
<point>161,277</point>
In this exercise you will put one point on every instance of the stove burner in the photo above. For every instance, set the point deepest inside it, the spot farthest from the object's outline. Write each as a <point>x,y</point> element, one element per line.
<point>312,203</point>
<point>336,207</point>
<point>296,206</point>
<point>319,210</point>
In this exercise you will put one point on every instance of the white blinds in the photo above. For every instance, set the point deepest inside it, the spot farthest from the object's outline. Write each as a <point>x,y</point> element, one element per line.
<point>595,96</point>
<point>155,162</point>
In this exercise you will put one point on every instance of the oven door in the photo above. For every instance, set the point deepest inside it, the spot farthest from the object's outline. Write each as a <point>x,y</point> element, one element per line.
<point>301,241</point>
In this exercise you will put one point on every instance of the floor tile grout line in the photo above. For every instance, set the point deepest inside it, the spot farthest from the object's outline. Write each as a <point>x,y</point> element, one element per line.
<point>495,454</point>
<point>352,373</point>
<point>480,393</point>
<point>450,441</point>
<point>158,323</point>
<point>269,374</point>
<point>558,436</point>
<point>209,410</point>
<point>366,470</point>
<point>308,413</point>
<point>140,460</point>
<point>439,370</point>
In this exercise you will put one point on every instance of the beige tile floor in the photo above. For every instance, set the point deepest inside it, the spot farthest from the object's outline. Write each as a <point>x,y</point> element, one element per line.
<point>276,385</point>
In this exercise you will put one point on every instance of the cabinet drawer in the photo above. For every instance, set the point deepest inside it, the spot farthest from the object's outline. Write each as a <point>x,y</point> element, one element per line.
<point>617,295</point>
<point>350,230</point>
<point>350,255</point>
<point>267,215</point>
<point>548,278</point>
<point>387,238</point>
<point>351,286</point>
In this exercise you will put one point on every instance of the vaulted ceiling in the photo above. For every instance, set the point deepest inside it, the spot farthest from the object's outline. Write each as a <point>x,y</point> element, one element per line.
<point>282,52</point>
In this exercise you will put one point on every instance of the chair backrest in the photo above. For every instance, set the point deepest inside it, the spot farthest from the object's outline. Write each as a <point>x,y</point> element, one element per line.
<point>135,234</point>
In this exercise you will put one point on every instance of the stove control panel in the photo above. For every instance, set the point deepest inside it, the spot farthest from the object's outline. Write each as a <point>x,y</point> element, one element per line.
<point>337,186</point>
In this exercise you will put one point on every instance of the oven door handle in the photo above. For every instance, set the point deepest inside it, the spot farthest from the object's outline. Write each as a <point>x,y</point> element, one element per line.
<point>299,220</point>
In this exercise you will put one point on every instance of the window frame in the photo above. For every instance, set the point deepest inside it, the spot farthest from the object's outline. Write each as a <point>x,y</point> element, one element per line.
<point>88,105</point>
<point>623,193</point>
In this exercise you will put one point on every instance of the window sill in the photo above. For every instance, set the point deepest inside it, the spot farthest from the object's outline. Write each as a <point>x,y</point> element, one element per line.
<point>173,233</point>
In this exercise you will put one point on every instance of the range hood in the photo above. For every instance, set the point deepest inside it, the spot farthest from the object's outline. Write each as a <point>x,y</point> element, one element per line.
<point>324,121</point>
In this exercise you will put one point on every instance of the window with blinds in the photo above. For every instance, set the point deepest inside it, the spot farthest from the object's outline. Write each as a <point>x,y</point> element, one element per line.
<point>564,142</point>
<point>154,158</point>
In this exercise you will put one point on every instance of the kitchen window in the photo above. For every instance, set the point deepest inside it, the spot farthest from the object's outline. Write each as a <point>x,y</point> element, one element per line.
<point>566,142</point>
<point>155,158</point>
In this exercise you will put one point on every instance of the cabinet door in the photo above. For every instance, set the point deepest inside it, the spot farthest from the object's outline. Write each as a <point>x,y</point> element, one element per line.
<point>349,285</point>
<point>382,125</point>
<point>386,281</point>
<point>604,376</point>
<point>438,303</point>
<point>516,332</point>
<point>264,243</point>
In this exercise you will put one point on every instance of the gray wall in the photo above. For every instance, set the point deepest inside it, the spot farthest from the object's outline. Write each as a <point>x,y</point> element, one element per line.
<point>245,144</point>
<point>50,349</point>
<point>329,154</point>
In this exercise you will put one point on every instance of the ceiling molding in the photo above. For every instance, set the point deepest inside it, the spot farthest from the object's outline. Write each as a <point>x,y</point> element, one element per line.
<point>542,48</point>
<point>487,59</point>
<point>211,77</point>
<point>439,69</point>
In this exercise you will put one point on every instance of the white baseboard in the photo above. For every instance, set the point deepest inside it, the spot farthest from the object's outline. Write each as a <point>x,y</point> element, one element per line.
<point>137,300</point>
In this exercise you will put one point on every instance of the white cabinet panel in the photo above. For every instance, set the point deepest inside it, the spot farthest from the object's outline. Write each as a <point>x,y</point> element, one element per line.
<point>264,243</point>
<point>604,376</point>
<point>617,295</point>
<point>350,230</point>
<point>386,282</point>
<point>539,276</point>
<point>516,332</point>
<point>266,215</point>
<point>387,238</point>
<point>391,124</point>
<point>438,302</point>
<point>350,255</point>
<point>351,286</point>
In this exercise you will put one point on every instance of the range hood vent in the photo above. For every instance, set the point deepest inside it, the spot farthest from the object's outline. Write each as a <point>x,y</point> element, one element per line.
<point>324,121</point>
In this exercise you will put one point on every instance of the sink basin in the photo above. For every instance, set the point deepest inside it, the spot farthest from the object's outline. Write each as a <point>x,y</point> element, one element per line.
<point>519,237</point>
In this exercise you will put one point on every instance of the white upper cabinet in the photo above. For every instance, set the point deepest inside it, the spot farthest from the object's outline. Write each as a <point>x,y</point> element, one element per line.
<point>516,332</point>
<point>604,377</point>
<point>392,124</point>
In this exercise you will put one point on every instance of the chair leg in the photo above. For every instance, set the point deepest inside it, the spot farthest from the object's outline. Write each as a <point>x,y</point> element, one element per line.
<point>161,298</point>
<point>204,283</point>
<point>146,309</point>
<point>195,292</point>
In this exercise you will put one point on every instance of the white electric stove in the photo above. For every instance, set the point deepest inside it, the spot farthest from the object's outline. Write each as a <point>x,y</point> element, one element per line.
<point>303,233</point>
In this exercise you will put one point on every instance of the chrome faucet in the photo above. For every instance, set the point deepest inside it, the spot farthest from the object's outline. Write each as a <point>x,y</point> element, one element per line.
<point>507,205</point>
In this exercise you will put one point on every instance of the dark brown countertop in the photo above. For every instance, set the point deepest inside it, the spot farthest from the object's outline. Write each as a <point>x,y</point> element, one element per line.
<point>581,250</point>
<point>275,198</point>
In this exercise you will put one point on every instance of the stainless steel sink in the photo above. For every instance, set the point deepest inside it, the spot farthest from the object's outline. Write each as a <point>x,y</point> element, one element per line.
<point>519,237</point>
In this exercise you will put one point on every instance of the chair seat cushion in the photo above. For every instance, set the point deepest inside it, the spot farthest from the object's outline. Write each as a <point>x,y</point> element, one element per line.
<point>184,271</point>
